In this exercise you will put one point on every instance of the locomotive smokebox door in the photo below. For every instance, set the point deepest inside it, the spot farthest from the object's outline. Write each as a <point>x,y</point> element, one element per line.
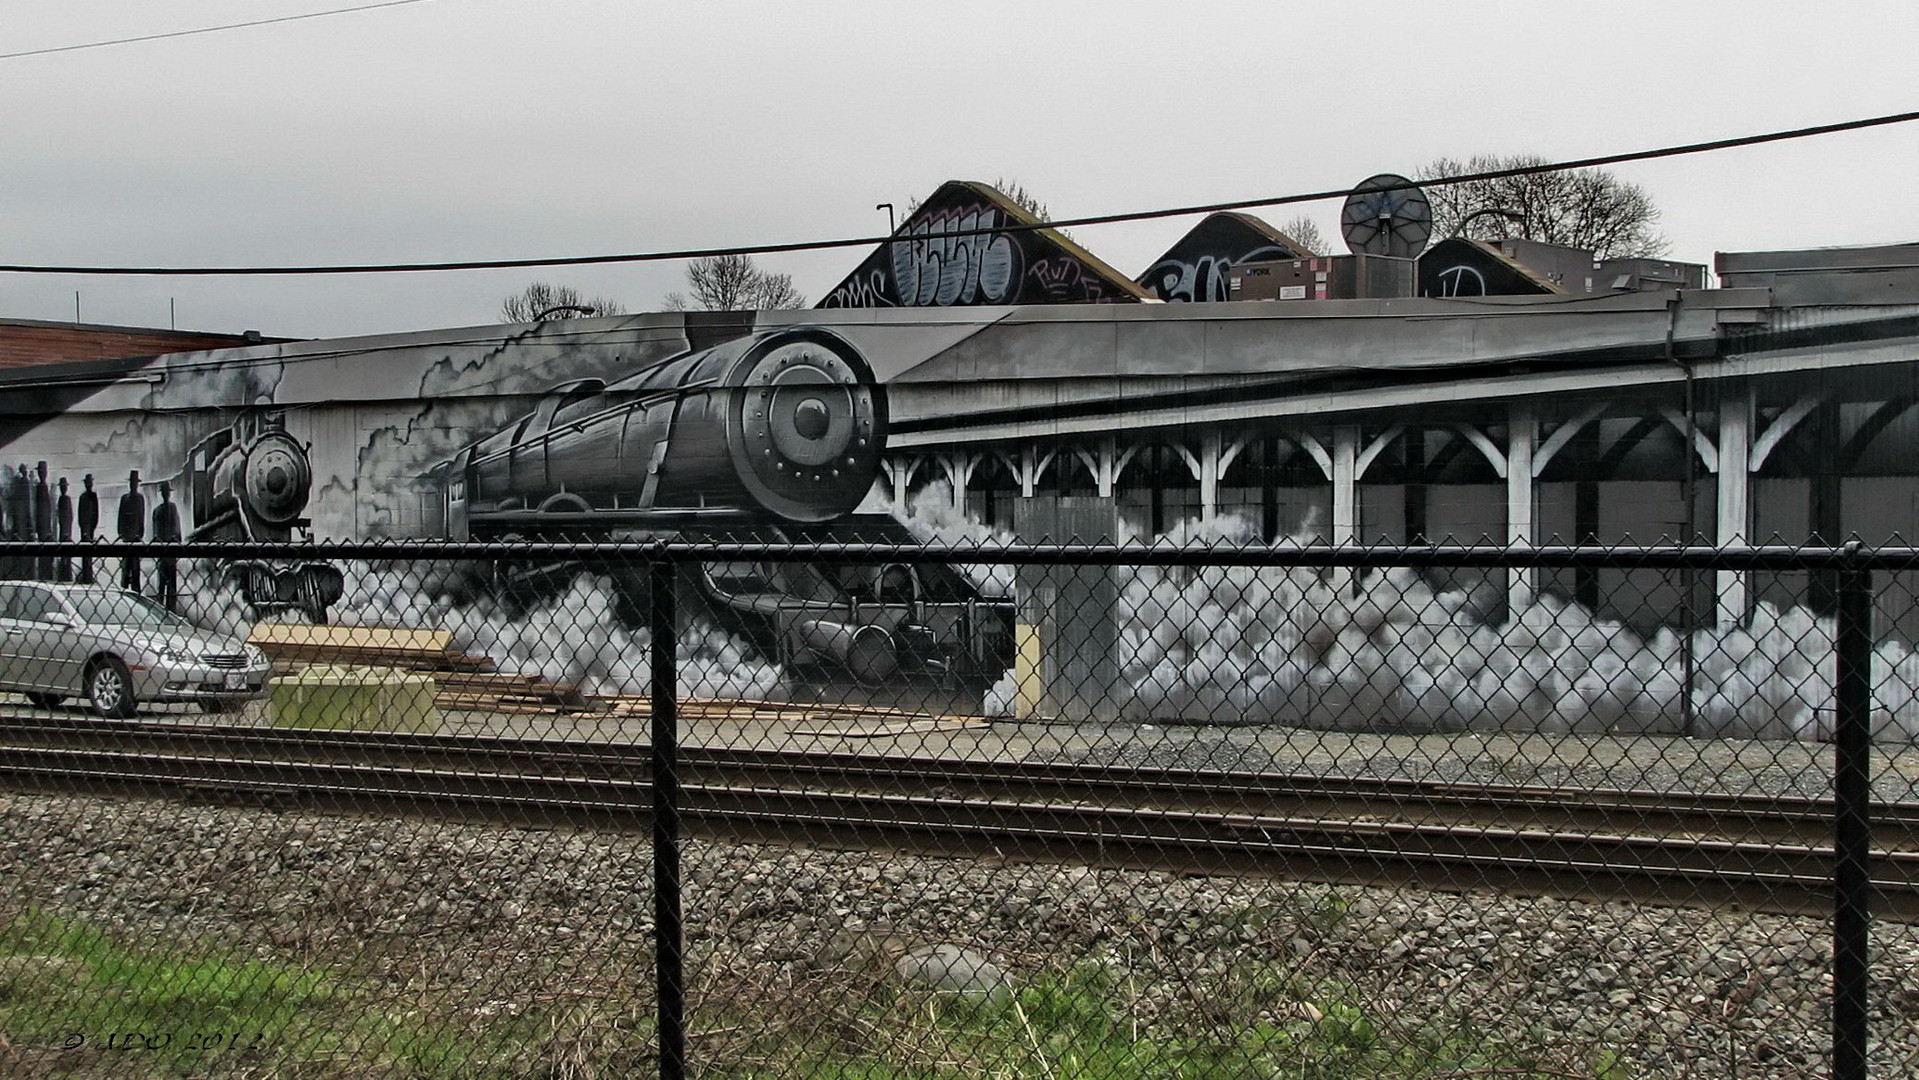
<point>806,425</point>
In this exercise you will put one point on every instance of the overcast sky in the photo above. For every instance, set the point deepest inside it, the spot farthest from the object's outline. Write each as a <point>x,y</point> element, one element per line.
<point>473,129</point>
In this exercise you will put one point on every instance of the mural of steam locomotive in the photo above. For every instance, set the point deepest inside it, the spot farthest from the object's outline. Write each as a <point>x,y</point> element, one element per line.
<point>787,426</point>
<point>251,481</point>
<point>771,437</point>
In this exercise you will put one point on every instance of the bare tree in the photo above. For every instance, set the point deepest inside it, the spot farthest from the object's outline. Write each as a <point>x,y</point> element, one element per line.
<point>733,283</point>
<point>1583,208</point>
<point>541,301</point>
<point>1306,231</point>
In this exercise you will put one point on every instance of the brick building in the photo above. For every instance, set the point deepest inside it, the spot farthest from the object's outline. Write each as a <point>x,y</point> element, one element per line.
<point>28,342</point>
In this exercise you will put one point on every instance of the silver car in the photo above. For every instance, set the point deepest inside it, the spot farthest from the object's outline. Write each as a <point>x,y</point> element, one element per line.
<point>117,649</point>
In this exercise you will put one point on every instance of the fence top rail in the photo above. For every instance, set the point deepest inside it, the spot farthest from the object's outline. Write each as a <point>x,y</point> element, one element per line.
<point>1665,555</point>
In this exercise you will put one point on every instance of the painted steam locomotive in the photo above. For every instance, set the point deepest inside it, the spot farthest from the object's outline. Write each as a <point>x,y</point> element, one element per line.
<point>251,481</point>
<point>787,426</point>
<point>774,437</point>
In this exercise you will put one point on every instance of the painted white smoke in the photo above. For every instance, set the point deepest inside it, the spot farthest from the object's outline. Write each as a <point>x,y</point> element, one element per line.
<point>1379,652</point>
<point>1387,653</point>
<point>932,518</point>
<point>574,636</point>
<point>1001,698</point>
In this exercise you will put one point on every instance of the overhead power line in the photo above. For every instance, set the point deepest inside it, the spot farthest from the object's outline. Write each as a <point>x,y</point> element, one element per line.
<point>203,30</point>
<point>863,241</point>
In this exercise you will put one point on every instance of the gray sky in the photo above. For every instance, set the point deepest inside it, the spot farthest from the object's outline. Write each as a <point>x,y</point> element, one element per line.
<point>468,129</point>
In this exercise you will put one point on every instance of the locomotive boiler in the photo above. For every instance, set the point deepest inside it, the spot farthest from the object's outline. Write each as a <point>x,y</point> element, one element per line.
<point>251,481</point>
<point>781,427</point>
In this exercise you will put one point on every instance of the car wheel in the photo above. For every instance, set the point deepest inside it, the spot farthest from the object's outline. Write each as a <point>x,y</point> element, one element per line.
<point>45,701</point>
<point>221,705</point>
<point>110,688</point>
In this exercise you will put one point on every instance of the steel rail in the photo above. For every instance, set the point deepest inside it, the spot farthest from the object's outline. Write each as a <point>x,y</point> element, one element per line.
<point>1454,855</point>
<point>1754,818</point>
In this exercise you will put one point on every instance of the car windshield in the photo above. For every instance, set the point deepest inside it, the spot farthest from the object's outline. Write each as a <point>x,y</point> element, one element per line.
<point>112,607</point>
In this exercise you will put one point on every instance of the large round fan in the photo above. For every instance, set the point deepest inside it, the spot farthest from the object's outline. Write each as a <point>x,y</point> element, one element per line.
<point>1386,215</point>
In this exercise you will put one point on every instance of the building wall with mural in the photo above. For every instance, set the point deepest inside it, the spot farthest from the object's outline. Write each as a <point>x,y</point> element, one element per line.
<point>1785,407</point>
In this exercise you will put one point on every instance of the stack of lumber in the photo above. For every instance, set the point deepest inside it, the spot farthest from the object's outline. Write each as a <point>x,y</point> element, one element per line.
<point>372,646</point>
<point>463,681</point>
<point>495,692</point>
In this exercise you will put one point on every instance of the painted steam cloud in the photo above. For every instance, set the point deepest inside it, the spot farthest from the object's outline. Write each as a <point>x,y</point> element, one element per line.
<point>574,636</point>
<point>1236,645</point>
<point>1249,645</point>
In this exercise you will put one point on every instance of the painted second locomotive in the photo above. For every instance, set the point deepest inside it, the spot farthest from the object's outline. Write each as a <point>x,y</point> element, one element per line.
<point>251,481</point>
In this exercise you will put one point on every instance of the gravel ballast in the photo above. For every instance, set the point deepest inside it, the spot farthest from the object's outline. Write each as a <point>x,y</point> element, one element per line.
<point>461,928</point>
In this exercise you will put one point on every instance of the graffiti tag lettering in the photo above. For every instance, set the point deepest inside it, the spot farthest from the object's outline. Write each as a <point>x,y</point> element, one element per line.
<point>934,267</point>
<point>1204,278</point>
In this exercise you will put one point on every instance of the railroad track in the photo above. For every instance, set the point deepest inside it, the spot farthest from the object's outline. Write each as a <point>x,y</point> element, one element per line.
<point>1763,853</point>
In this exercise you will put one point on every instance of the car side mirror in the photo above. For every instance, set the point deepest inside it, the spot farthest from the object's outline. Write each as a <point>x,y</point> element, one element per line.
<point>58,618</point>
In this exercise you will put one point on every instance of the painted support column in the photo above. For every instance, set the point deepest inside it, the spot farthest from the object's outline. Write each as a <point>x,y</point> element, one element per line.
<point>1106,463</point>
<point>959,468</point>
<point>1522,428</point>
<point>1343,466</point>
<point>1520,464</point>
<point>1345,477</point>
<point>1029,467</point>
<point>1209,466</point>
<point>1345,485</point>
<point>900,472</point>
<point>1734,502</point>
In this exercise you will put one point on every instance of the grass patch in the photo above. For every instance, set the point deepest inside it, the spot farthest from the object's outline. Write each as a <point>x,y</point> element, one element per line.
<point>1079,1025</point>
<point>60,977</point>
<point>77,1001</point>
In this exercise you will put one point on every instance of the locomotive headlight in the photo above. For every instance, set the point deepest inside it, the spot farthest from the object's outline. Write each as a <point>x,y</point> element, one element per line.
<point>277,478</point>
<point>811,420</point>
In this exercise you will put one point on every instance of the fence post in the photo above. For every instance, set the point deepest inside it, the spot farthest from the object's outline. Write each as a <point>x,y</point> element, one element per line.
<point>1852,839</point>
<point>669,944</point>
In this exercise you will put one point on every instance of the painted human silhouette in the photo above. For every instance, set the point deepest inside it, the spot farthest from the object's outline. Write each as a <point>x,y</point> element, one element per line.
<point>63,531</point>
<point>89,517</point>
<point>17,499</point>
<point>43,528</point>
<point>132,527</point>
<point>166,530</point>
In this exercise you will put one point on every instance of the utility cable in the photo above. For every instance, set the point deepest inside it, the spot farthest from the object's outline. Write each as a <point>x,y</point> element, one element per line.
<point>864,241</point>
<point>202,30</point>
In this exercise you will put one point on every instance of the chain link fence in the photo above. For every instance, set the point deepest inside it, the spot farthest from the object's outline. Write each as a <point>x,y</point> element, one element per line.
<point>1200,809</point>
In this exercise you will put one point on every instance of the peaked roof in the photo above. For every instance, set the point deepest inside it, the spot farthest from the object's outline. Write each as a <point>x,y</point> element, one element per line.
<point>950,253</point>
<point>1457,266</point>
<point>1196,268</point>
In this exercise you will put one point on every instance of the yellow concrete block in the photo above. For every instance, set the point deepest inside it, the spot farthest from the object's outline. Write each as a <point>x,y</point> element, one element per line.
<point>347,697</point>
<point>1030,688</point>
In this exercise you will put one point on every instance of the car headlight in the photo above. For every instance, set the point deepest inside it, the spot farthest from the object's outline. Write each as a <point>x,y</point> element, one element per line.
<point>173,654</point>
<point>255,656</point>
